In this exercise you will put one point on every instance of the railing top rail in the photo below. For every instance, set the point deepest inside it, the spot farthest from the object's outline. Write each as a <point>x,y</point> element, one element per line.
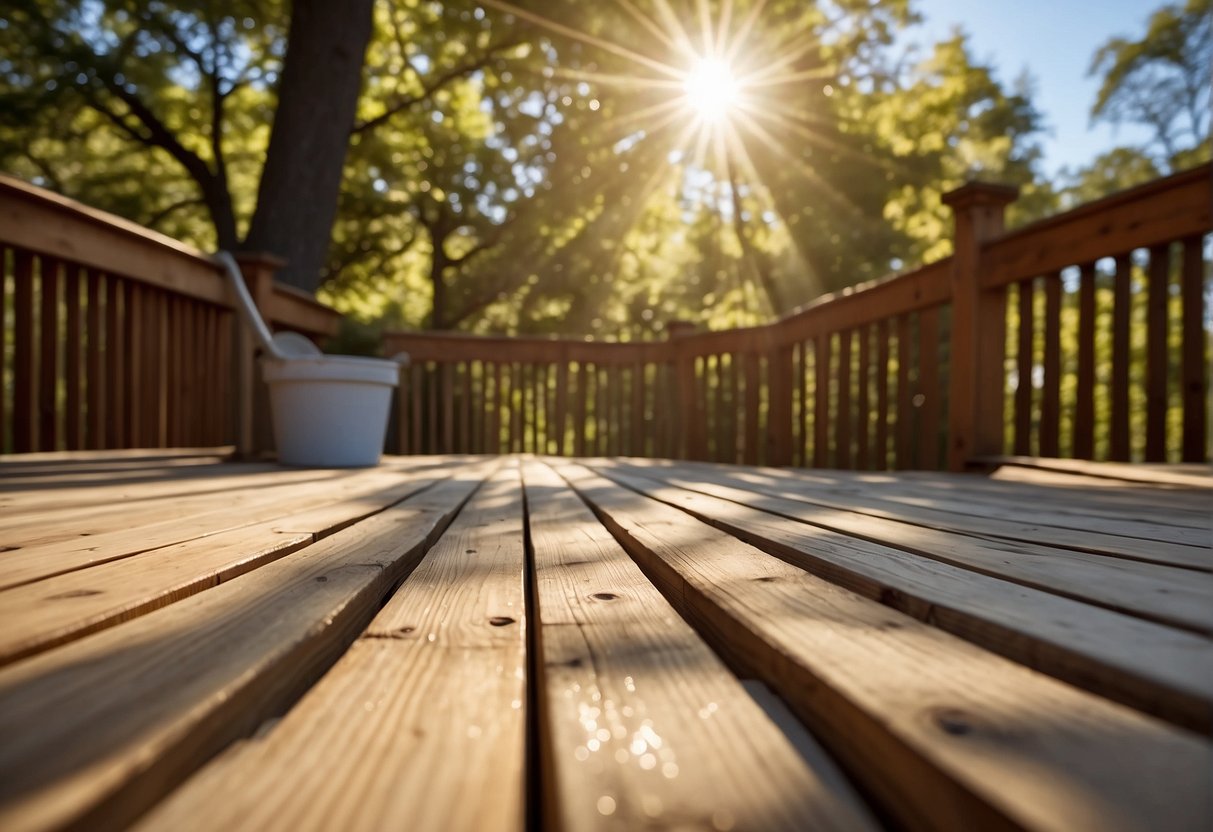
<point>16,190</point>
<point>37,220</point>
<point>866,303</point>
<point>462,346</point>
<point>1155,213</point>
<point>41,221</point>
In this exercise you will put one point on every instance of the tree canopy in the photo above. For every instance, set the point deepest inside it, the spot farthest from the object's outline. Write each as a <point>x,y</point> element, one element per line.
<point>1162,81</point>
<point>544,166</point>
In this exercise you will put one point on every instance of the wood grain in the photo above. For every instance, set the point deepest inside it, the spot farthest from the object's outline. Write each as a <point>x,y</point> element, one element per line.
<point>156,528</point>
<point>944,734</point>
<point>420,725</point>
<point>196,675</point>
<point>1150,667</point>
<point>642,725</point>
<point>1019,553</point>
<point>38,616</point>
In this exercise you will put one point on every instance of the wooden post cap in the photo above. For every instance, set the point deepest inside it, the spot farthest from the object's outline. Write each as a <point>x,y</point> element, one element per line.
<point>972,194</point>
<point>677,329</point>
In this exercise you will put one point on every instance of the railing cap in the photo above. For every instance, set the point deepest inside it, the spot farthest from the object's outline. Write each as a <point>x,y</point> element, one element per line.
<point>679,328</point>
<point>977,193</point>
<point>259,258</point>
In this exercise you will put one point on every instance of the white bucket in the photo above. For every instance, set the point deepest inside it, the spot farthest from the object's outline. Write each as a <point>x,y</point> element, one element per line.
<point>330,411</point>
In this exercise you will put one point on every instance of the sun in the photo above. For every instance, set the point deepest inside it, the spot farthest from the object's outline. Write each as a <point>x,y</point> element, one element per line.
<point>711,89</point>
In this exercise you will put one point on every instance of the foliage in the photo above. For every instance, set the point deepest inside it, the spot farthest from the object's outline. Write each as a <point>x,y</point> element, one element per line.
<point>1115,170</point>
<point>950,122</point>
<point>529,168</point>
<point>1162,81</point>
<point>129,106</point>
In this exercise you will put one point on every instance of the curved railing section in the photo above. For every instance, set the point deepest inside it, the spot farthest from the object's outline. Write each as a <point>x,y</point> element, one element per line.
<point>1085,335</point>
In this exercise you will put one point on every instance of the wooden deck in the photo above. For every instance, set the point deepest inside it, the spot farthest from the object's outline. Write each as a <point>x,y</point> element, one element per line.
<point>486,643</point>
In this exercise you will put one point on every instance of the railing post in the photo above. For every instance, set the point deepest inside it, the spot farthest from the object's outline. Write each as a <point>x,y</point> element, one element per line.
<point>251,400</point>
<point>975,413</point>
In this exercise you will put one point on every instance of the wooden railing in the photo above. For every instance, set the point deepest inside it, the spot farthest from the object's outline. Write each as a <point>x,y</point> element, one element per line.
<point>1085,335</point>
<point>118,337</point>
<point>1130,274</point>
<point>913,371</point>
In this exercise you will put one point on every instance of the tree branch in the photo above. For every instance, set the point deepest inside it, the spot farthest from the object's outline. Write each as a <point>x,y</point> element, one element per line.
<point>165,212</point>
<point>427,90</point>
<point>158,134</point>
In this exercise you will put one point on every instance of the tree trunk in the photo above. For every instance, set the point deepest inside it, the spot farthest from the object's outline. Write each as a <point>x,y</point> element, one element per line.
<point>438,265</point>
<point>317,100</point>
<point>218,201</point>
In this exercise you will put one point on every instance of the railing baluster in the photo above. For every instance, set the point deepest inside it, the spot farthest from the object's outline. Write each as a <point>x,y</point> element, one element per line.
<point>48,359</point>
<point>1156,354</point>
<point>1050,397</point>
<point>416,404</point>
<point>5,260</point>
<point>1025,361</point>
<point>929,388</point>
<point>446,443</point>
<point>94,362</point>
<point>752,399</point>
<point>1193,361</point>
<point>905,421</point>
<point>862,405</point>
<point>1121,312</point>
<point>881,455</point>
<point>23,352</point>
<point>73,415</point>
<point>821,402</point>
<point>465,408</point>
<point>1083,442</point>
<point>844,417</point>
<point>132,332</point>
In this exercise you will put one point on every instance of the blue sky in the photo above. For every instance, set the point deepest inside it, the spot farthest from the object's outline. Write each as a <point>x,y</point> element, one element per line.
<point>1054,40</point>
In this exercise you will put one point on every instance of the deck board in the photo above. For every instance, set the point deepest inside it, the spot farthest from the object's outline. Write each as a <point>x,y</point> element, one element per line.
<point>950,735</point>
<point>367,744</point>
<point>188,642</point>
<point>640,716</point>
<point>1159,669</point>
<point>181,682</point>
<point>1169,595</point>
<point>131,532</point>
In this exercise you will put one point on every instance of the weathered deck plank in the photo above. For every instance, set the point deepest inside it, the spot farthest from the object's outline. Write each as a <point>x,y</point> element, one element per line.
<point>182,682</point>
<point>948,735</point>
<point>1161,670</point>
<point>680,609</point>
<point>157,526</point>
<point>1032,519</point>
<point>420,725</point>
<point>39,615</point>
<point>642,725</point>
<point>1178,597</point>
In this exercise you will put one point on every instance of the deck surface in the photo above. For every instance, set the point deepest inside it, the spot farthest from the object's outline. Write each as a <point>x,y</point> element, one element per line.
<point>481,643</point>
